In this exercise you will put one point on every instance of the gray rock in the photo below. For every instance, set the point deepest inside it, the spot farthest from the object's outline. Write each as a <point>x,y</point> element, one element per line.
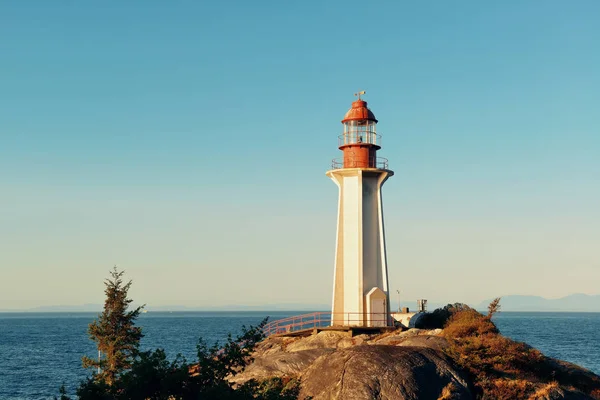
<point>325,339</point>
<point>280,364</point>
<point>383,373</point>
<point>432,342</point>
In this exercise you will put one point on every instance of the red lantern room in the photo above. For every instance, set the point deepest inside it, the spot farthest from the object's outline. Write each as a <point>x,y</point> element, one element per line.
<point>360,140</point>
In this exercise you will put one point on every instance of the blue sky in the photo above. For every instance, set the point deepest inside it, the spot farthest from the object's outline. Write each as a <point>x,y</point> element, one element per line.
<point>187,143</point>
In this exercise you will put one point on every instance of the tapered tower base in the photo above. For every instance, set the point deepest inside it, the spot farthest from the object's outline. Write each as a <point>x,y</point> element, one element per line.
<point>360,284</point>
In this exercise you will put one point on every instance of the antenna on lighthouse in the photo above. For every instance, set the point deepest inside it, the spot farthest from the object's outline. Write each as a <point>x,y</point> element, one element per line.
<point>360,93</point>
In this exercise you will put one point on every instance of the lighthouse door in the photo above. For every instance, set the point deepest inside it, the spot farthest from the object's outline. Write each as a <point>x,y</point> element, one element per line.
<point>378,317</point>
<point>376,308</point>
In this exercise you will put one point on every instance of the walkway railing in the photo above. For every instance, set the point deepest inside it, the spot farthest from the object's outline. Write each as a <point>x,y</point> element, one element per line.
<point>324,320</point>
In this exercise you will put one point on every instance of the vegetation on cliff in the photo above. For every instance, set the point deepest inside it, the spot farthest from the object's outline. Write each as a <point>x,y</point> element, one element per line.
<point>153,376</point>
<point>501,368</point>
<point>468,359</point>
<point>125,372</point>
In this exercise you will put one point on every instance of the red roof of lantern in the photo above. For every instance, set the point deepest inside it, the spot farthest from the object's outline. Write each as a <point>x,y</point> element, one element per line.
<point>359,111</point>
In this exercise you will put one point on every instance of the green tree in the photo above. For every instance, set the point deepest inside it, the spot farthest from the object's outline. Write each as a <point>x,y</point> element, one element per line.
<point>153,377</point>
<point>129,374</point>
<point>114,332</point>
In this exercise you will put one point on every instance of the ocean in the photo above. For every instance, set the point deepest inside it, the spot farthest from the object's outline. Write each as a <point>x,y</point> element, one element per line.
<point>41,351</point>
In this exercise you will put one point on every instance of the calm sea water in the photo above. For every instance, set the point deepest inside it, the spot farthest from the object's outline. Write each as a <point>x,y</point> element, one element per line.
<point>38,352</point>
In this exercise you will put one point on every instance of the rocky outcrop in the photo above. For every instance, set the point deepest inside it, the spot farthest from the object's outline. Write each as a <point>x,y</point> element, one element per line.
<point>281,364</point>
<point>334,365</point>
<point>382,372</point>
<point>400,365</point>
<point>415,337</point>
<point>432,342</point>
<point>326,339</point>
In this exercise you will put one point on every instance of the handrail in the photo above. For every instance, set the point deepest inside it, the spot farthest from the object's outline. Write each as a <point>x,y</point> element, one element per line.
<point>337,163</point>
<point>359,137</point>
<point>326,319</point>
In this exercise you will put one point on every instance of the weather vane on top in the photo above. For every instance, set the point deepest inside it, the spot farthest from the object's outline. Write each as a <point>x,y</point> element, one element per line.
<point>360,93</point>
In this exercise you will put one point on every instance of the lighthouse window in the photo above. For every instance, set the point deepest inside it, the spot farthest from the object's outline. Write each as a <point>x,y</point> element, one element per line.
<point>359,132</point>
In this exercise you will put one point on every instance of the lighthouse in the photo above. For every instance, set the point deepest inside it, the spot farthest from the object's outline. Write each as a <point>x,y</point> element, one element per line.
<point>360,282</point>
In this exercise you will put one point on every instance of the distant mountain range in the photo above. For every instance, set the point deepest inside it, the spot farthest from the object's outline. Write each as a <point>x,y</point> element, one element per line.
<point>578,302</point>
<point>234,307</point>
<point>575,303</point>
<point>59,308</point>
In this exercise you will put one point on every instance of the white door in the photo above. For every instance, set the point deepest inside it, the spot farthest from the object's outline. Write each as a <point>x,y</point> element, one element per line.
<point>378,316</point>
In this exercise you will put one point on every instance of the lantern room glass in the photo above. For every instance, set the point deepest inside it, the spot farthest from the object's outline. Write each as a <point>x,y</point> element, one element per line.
<point>360,131</point>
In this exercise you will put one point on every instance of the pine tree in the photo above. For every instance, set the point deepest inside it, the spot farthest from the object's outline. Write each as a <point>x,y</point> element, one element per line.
<point>114,332</point>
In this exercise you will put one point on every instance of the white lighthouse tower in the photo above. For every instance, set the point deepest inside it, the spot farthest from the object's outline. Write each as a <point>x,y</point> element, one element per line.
<point>360,283</point>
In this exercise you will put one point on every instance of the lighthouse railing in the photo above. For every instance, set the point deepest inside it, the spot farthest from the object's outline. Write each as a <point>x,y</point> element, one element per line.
<point>359,137</point>
<point>318,320</point>
<point>337,163</point>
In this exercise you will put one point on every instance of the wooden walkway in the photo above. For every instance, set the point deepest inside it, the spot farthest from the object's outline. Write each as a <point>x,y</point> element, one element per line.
<point>313,323</point>
<point>351,330</point>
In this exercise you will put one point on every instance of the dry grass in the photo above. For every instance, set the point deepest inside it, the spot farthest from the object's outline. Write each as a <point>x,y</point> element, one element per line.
<point>544,391</point>
<point>448,392</point>
<point>501,368</point>
<point>508,389</point>
<point>493,308</point>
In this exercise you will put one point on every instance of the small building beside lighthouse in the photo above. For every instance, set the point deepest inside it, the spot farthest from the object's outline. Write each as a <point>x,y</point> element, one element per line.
<point>360,283</point>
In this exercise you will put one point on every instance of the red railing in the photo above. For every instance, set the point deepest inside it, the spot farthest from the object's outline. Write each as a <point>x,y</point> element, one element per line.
<point>324,319</point>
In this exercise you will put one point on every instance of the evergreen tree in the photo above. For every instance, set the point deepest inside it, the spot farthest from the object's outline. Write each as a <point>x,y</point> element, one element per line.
<point>129,374</point>
<point>114,332</point>
<point>153,377</point>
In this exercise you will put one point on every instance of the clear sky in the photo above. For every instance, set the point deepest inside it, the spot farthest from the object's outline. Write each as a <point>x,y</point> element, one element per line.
<point>187,142</point>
